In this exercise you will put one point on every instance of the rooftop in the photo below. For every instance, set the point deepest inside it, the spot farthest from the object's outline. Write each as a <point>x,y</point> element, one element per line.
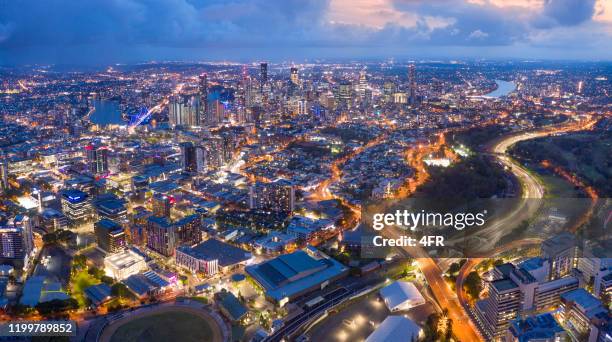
<point>98,293</point>
<point>503,285</point>
<point>587,303</point>
<point>109,225</point>
<point>74,195</point>
<point>232,305</point>
<point>211,249</point>
<point>401,295</point>
<point>539,327</point>
<point>394,326</point>
<point>291,274</point>
<point>124,259</point>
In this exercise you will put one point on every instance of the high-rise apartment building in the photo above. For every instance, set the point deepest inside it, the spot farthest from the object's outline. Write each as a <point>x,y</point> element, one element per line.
<point>16,241</point>
<point>110,236</point>
<point>275,196</point>
<point>97,158</point>
<point>263,75</point>
<point>193,158</point>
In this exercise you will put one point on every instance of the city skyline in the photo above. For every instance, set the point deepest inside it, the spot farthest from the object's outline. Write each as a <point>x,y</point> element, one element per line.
<point>107,32</point>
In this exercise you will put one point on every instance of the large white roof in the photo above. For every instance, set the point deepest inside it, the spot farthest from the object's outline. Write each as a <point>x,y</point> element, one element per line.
<point>395,329</point>
<point>401,295</point>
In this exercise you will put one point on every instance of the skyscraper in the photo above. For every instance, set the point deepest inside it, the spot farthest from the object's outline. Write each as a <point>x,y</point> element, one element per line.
<point>193,158</point>
<point>4,185</point>
<point>363,84</point>
<point>76,205</point>
<point>263,75</point>
<point>97,158</point>
<point>203,90</point>
<point>241,97</point>
<point>412,85</point>
<point>16,242</point>
<point>184,110</point>
<point>344,93</point>
<point>295,77</point>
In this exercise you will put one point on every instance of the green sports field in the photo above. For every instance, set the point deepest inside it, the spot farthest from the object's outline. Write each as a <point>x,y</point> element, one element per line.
<point>166,326</point>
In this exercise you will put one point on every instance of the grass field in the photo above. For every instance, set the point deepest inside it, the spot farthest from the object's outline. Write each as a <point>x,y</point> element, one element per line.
<point>80,282</point>
<point>166,326</point>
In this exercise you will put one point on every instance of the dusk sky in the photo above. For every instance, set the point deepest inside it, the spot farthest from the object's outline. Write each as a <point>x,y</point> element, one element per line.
<point>111,31</point>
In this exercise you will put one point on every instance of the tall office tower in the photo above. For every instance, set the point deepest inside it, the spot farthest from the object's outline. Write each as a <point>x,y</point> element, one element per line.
<point>203,90</point>
<point>495,312</point>
<point>174,111</point>
<point>251,93</point>
<point>302,107</point>
<point>363,84</point>
<point>161,205</point>
<point>97,158</point>
<point>193,110</point>
<point>188,157</point>
<point>229,143</point>
<point>344,93</point>
<point>560,251</point>
<point>275,196</point>
<point>295,77</point>
<point>412,85</point>
<point>263,76</point>
<point>216,112</point>
<point>161,235</point>
<point>76,205</point>
<point>184,110</point>
<point>16,241</point>
<point>213,152</point>
<point>110,236</point>
<point>241,97</point>
<point>4,184</point>
<point>193,158</point>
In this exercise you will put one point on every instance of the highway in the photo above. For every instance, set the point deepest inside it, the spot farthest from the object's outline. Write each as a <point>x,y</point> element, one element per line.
<point>531,188</point>
<point>463,328</point>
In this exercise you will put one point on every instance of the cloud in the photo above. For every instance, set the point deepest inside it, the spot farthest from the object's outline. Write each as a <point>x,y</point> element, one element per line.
<point>569,12</point>
<point>106,31</point>
<point>478,34</point>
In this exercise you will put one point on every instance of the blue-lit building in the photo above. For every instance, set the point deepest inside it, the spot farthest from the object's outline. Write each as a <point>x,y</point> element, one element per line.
<point>110,207</point>
<point>583,315</point>
<point>290,276</point>
<point>540,328</point>
<point>76,205</point>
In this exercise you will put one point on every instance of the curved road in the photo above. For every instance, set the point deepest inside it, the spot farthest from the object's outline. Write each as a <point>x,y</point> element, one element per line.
<point>531,189</point>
